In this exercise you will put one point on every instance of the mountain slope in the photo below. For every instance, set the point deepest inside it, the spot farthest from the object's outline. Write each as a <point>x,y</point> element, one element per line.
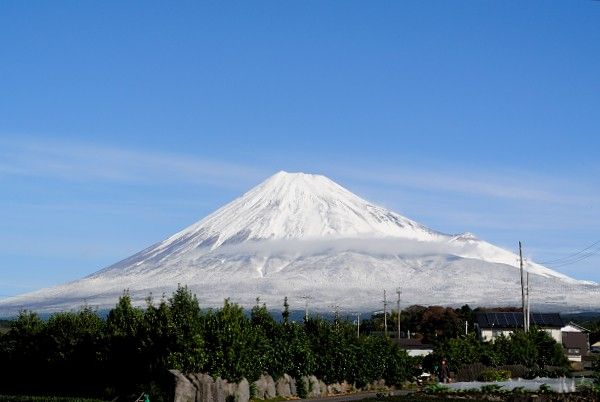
<point>297,234</point>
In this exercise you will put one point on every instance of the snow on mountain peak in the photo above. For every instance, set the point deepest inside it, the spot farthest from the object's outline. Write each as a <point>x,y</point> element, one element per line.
<point>298,206</point>
<point>296,234</point>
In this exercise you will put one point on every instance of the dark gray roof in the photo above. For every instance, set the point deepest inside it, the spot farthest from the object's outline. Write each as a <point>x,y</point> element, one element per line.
<point>515,320</point>
<point>412,344</point>
<point>582,329</point>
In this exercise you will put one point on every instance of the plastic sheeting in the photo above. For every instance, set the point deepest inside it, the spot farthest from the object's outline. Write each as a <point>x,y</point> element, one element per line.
<point>561,385</point>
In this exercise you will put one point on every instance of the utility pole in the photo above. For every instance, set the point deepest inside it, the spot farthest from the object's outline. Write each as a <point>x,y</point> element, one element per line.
<point>528,313</point>
<point>522,288</point>
<point>358,325</point>
<point>306,299</point>
<point>384,313</point>
<point>398,291</point>
<point>335,309</point>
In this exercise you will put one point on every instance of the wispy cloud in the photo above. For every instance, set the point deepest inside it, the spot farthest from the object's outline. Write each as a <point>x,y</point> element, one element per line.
<point>61,160</point>
<point>546,208</point>
<point>85,162</point>
<point>498,185</point>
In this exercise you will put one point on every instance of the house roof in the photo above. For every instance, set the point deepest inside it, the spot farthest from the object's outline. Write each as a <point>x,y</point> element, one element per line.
<point>515,320</point>
<point>572,327</point>
<point>412,344</point>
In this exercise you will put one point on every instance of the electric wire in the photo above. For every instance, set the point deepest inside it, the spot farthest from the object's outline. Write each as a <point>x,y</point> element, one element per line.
<point>580,255</point>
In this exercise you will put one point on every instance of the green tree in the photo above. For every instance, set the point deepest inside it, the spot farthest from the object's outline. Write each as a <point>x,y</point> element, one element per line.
<point>549,352</point>
<point>522,350</point>
<point>267,332</point>
<point>459,351</point>
<point>73,342</point>
<point>124,346</point>
<point>23,353</point>
<point>399,366</point>
<point>158,337</point>
<point>300,358</point>
<point>187,352</point>
<point>233,342</point>
<point>124,321</point>
<point>331,343</point>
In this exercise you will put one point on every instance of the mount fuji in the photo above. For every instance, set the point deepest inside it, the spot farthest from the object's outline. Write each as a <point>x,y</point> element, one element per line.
<point>301,235</point>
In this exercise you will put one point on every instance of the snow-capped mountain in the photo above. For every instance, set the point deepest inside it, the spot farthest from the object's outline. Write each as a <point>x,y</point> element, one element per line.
<point>298,235</point>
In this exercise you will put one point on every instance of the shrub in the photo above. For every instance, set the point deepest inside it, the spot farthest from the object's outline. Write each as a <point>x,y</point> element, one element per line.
<point>470,372</point>
<point>254,391</point>
<point>436,389</point>
<point>301,388</point>
<point>548,371</point>
<point>518,390</point>
<point>491,388</point>
<point>516,370</point>
<point>545,389</point>
<point>494,375</point>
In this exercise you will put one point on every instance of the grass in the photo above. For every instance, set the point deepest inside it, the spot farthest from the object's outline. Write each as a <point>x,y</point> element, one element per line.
<point>421,398</point>
<point>27,398</point>
<point>276,399</point>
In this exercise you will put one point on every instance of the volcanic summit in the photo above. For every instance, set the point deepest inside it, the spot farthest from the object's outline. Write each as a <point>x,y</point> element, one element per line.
<point>298,235</point>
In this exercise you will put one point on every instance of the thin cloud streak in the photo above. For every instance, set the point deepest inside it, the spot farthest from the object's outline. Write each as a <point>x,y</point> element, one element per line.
<point>88,162</point>
<point>538,188</point>
<point>476,201</point>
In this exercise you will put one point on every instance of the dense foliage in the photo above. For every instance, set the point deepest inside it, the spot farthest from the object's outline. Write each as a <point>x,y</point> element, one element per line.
<point>535,349</point>
<point>132,349</point>
<point>433,323</point>
<point>80,353</point>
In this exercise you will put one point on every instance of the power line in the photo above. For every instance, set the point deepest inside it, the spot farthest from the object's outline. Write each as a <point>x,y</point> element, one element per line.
<point>567,259</point>
<point>573,255</point>
<point>581,258</point>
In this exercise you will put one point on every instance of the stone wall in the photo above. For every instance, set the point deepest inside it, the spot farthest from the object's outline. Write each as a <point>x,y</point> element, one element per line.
<point>203,388</point>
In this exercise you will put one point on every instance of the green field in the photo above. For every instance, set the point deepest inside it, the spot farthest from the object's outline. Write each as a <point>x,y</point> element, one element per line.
<point>24,398</point>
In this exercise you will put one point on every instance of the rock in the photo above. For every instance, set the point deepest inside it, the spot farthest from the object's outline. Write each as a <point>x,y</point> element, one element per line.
<point>270,391</point>
<point>282,387</point>
<point>265,387</point>
<point>313,388</point>
<point>184,390</point>
<point>322,388</point>
<point>219,390</point>
<point>229,389</point>
<point>242,393</point>
<point>260,386</point>
<point>334,389</point>
<point>292,382</point>
<point>206,388</point>
<point>195,383</point>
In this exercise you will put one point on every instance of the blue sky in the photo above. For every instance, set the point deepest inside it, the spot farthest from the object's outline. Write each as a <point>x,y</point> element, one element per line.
<point>123,122</point>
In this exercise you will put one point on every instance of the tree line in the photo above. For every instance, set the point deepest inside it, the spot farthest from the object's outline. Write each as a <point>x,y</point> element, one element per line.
<point>130,350</point>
